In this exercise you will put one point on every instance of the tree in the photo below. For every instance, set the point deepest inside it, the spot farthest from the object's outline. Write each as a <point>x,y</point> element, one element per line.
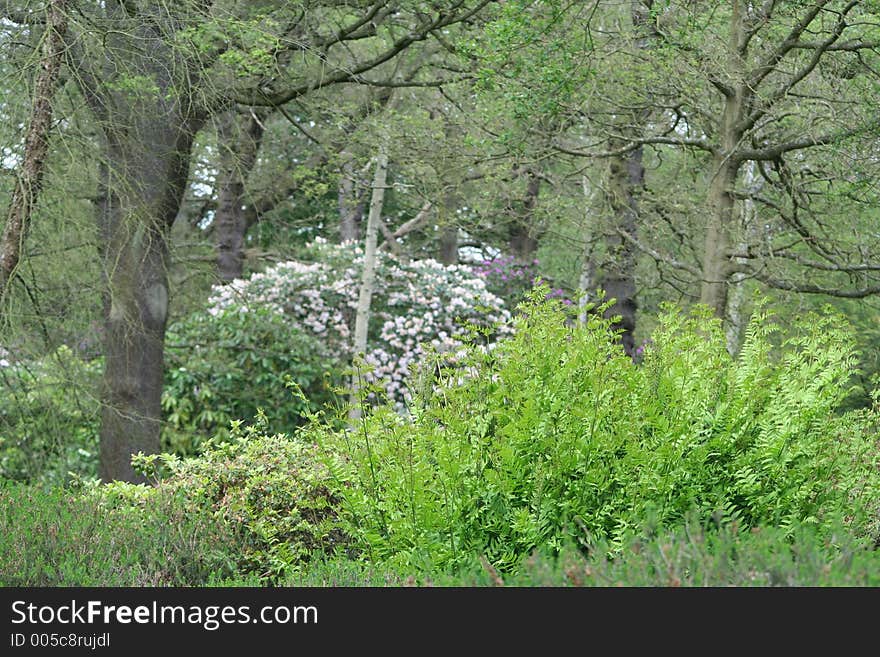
<point>30,180</point>
<point>368,275</point>
<point>766,83</point>
<point>625,182</point>
<point>239,134</point>
<point>153,74</point>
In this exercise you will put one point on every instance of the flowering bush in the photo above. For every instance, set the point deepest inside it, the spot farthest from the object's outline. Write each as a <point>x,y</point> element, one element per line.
<point>416,305</point>
<point>512,280</point>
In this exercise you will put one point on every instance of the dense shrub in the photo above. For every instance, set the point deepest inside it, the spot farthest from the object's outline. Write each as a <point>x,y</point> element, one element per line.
<point>268,492</point>
<point>49,418</point>
<point>555,436</point>
<point>226,366</point>
<point>415,304</point>
<point>59,537</point>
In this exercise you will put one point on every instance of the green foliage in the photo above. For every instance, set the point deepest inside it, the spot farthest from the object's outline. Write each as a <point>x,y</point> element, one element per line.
<point>60,537</point>
<point>49,417</point>
<point>268,492</point>
<point>226,367</point>
<point>554,436</point>
<point>534,57</point>
<point>691,555</point>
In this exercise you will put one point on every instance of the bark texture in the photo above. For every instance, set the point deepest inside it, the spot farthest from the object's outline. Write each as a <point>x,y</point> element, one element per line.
<point>522,238</point>
<point>351,205</point>
<point>143,101</point>
<point>240,138</point>
<point>368,276</point>
<point>30,178</point>
<point>721,202</point>
<point>626,178</point>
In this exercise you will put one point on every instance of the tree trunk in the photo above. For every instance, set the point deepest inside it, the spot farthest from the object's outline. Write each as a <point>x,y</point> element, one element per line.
<point>716,263</point>
<point>448,251</point>
<point>240,138</point>
<point>587,280</point>
<point>522,237</point>
<point>29,182</point>
<point>148,134</point>
<point>716,260</point>
<point>368,276</point>
<point>585,286</point>
<point>351,207</point>
<point>141,192</point>
<point>736,315</point>
<point>626,177</point>
<point>448,247</point>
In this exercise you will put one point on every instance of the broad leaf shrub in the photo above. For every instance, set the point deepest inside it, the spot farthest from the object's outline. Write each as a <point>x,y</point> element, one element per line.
<point>555,437</point>
<point>416,303</point>
<point>226,366</point>
<point>268,491</point>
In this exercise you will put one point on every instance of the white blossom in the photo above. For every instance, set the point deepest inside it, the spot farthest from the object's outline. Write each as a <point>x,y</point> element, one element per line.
<point>421,302</point>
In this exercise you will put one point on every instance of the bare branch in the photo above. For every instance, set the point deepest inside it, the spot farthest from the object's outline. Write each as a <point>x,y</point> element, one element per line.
<point>390,242</point>
<point>660,257</point>
<point>16,15</point>
<point>356,29</point>
<point>296,124</point>
<point>846,46</point>
<point>413,224</point>
<point>809,288</point>
<point>725,89</point>
<point>769,101</point>
<point>353,74</point>
<point>777,151</point>
<point>393,84</point>
<point>756,23</point>
<point>635,143</point>
<point>29,182</point>
<point>823,266</point>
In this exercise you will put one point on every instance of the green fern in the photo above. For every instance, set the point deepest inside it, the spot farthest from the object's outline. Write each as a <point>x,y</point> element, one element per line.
<point>556,437</point>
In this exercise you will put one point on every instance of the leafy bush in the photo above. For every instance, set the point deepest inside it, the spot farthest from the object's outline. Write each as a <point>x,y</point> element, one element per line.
<point>49,418</point>
<point>555,436</point>
<point>226,366</point>
<point>268,492</point>
<point>416,303</point>
<point>60,537</point>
